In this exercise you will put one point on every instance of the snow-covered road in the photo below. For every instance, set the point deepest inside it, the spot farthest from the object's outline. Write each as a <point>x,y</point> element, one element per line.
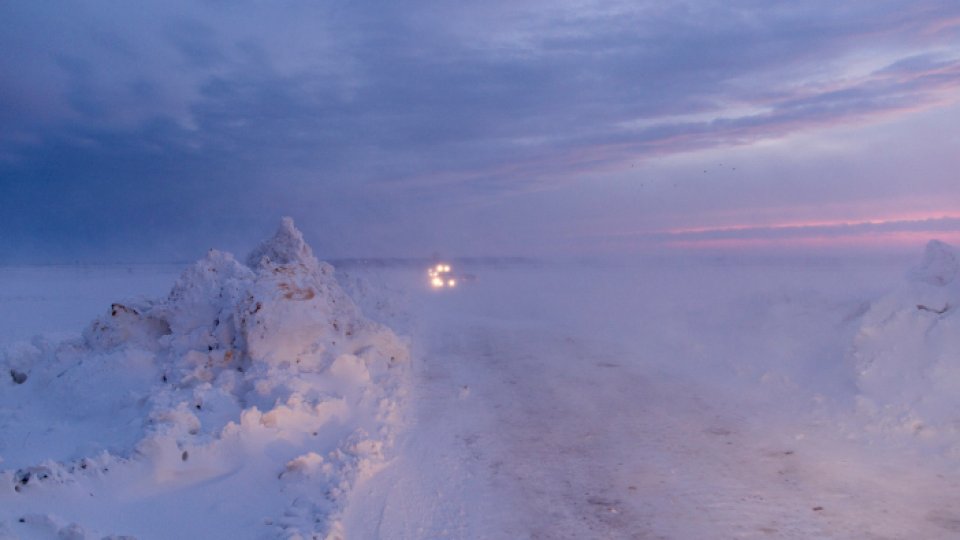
<point>690,404</point>
<point>686,400</point>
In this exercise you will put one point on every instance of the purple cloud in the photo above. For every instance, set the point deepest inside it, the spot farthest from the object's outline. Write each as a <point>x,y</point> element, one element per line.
<point>383,109</point>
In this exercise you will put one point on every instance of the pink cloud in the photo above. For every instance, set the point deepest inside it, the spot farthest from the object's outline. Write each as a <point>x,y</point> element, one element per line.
<point>873,234</point>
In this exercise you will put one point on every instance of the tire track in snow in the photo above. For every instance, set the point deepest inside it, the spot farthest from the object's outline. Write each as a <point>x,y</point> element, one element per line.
<point>583,445</point>
<point>570,429</point>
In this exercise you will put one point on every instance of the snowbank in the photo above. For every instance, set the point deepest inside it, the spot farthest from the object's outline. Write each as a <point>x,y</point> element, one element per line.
<point>257,392</point>
<point>907,349</point>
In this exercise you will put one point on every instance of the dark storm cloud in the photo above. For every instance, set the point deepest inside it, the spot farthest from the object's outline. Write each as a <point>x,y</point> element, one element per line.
<point>156,118</point>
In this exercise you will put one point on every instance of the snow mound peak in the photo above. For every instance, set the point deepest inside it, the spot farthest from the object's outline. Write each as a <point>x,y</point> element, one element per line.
<point>239,374</point>
<point>939,266</point>
<point>286,247</point>
<point>906,350</point>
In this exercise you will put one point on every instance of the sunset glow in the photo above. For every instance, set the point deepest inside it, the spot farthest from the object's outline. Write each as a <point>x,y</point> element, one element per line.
<point>873,234</point>
<point>899,241</point>
<point>899,220</point>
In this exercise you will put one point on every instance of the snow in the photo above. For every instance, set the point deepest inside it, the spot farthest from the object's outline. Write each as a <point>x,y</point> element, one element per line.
<point>907,352</point>
<point>263,381</point>
<point>672,398</point>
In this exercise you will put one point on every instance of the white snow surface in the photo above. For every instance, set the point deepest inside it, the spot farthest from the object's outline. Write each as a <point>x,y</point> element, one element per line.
<point>698,398</point>
<point>245,404</point>
<point>907,351</point>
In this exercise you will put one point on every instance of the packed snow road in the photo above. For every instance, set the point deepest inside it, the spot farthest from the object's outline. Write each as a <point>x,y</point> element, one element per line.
<point>683,402</point>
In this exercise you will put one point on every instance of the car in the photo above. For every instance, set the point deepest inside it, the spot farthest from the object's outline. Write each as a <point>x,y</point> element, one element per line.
<point>441,276</point>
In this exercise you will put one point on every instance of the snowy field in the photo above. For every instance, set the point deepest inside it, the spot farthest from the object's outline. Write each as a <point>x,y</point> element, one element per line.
<point>698,398</point>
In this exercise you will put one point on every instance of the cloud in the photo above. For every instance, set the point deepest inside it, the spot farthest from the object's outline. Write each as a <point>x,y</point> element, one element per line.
<point>932,225</point>
<point>887,234</point>
<point>425,104</point>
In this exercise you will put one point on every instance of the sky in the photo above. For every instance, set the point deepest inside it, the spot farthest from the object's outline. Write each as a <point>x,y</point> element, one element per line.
<point>154,130</point>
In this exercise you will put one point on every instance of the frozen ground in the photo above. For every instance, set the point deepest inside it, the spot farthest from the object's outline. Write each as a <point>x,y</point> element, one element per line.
<point>697,399</point>
<point>247,402</point>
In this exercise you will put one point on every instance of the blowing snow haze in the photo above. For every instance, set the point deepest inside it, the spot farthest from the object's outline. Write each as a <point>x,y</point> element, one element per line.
<point>155,130</point>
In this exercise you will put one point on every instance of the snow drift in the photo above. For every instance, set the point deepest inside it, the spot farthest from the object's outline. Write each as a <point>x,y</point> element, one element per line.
<point>907,349</point>
<point>248,403</point>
